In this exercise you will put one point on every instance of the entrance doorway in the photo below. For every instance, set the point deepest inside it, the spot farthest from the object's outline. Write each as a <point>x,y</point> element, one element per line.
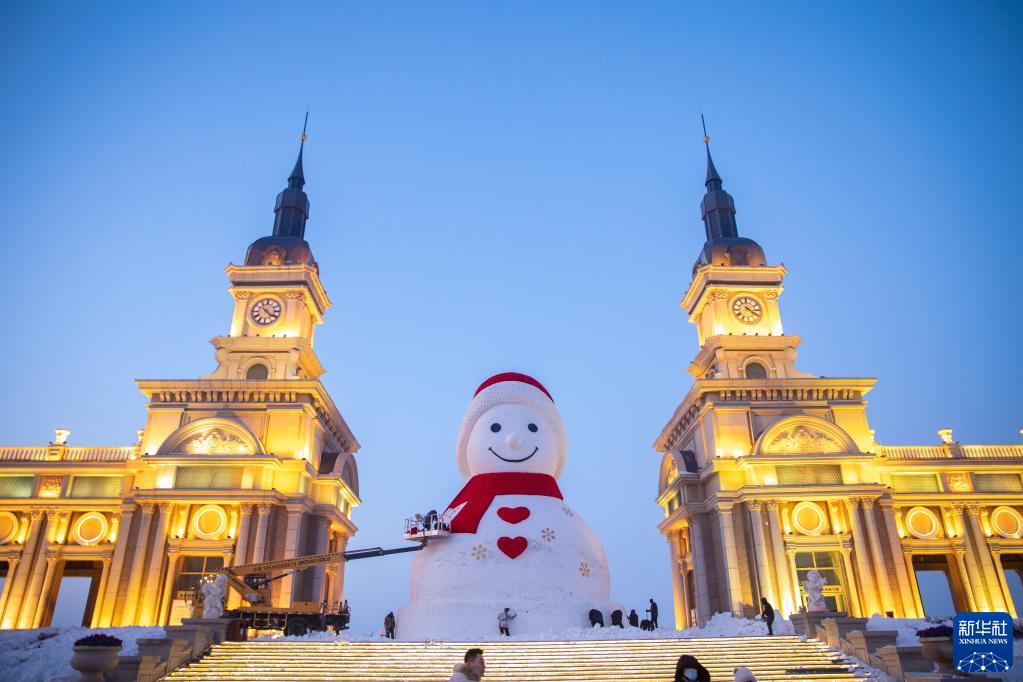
<point>935,580</point>
<point>73,600</point>
<point>829,566</point>
<point>1012,567</point>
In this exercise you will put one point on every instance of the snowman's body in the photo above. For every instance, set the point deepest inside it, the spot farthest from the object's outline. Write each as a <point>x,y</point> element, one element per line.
<point>528,552</point>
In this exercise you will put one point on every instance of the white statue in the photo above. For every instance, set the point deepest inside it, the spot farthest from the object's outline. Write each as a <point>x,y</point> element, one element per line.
<point>813,585</point>
<point>213,597</point>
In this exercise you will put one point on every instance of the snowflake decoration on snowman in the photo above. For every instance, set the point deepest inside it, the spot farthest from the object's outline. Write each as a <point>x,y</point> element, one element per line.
<point>511,449</point>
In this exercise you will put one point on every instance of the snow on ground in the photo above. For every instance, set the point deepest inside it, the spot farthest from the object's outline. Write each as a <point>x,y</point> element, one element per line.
<point>720,625</point>
<point>45,655</point>
<point>905,627</point>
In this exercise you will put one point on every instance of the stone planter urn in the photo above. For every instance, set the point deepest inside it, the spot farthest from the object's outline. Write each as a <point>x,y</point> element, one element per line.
<point>92,661</point>
<point>939,650</point>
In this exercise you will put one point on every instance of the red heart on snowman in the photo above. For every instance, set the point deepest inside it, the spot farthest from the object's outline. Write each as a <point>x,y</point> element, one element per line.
<point>513,514</point>
<point>512,547</point>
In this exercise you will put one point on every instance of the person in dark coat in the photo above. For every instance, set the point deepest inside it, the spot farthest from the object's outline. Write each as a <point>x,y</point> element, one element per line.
<point>616,618</point>
<point>389,625</point>
<point>767,611</point>
<point>653,614</point>
<point>633,618</point>
<point>596,618</point>
<point>688,669</point>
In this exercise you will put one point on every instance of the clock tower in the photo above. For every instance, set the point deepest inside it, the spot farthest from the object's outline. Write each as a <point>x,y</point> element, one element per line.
<point>278,298</point>
<point>733,299</point>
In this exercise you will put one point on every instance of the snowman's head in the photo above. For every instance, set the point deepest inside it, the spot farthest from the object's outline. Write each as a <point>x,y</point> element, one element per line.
<point>512,425</point>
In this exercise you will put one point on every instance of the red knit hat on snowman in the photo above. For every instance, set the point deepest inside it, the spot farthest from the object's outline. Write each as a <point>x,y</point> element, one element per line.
<point>520,389</point>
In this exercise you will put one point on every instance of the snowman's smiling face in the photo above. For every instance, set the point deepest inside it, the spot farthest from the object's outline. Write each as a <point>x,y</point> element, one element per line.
<point>511,437</point>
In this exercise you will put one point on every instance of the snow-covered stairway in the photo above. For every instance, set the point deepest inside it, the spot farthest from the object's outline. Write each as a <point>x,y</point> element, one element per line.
<point>646,660</point>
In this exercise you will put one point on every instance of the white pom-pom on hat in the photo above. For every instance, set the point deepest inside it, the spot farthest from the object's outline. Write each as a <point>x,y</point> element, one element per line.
<point>521,389</point>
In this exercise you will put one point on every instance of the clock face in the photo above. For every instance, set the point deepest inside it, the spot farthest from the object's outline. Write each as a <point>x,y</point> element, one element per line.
<point>266,311</point>
<point>747,309</point>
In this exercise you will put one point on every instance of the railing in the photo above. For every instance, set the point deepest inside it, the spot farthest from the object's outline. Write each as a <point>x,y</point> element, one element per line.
<point>98,454</point>
<point>65,453</point>
<point>952,451</point>
<point>32,454</point>
<point>991,451</point>
<point>914,452</point>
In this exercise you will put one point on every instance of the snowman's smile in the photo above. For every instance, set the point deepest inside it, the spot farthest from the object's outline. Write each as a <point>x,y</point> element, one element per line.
<point>505,459</point>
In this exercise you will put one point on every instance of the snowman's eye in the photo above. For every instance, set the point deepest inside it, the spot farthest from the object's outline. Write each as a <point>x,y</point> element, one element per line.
<point>532,427</point>
<point>495,427</point>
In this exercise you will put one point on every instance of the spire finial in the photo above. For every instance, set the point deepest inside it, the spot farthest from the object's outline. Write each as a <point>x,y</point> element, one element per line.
<point>712,172</point>
<point>305,124</point>
<point>297,177</point>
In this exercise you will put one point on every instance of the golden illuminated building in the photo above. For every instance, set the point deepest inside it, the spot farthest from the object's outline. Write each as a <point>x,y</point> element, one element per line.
<point>769,472</point>
<point>253,462</point>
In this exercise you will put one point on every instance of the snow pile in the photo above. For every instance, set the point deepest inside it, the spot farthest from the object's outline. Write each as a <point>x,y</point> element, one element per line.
<point>44,655</point>
<point>720,625</point>
<point>905,627</point>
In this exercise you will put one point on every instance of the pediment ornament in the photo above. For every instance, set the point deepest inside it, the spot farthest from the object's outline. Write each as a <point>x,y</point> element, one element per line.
<point>802,439</point>
<point>217,442</point>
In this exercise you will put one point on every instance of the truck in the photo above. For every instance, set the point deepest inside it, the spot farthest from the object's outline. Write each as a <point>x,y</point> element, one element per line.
<point>253,582</point>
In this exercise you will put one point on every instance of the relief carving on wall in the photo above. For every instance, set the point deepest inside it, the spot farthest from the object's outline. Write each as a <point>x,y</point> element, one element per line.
<point>217,442</point>
<point>958,482</point>
<point>802,439</point>
<point>50,486</point>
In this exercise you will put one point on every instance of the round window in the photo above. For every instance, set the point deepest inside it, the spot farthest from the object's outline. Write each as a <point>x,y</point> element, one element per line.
<point>90,529</point>
<point>1007,522</point>
<point>922,523</point>
<point>809,519</point>
<point>209,522</point>
<point>8,527</point>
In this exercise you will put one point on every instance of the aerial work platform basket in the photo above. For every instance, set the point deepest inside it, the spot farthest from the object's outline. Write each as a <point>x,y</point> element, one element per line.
<point>422,527</point>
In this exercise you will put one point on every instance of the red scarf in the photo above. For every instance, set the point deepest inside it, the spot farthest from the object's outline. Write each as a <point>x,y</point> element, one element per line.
<point>480,491</point>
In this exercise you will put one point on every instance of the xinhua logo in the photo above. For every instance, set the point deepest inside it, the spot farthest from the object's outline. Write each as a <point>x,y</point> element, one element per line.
<point>982,642</point>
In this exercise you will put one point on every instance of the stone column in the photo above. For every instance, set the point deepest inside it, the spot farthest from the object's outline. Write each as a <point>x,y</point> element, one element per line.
<point>854,608</point>
<point>138,560</point>
<point>241,545</point>
<point>880,569</point>
<point>259,548</point>
<point>790,556</point>
<point>44,595</point>
<point>731,560</point>
<point>914,588</point>
<point>676,577</point>
<point>971,597</point>
<point>991,583</point>
<point>786,592</point>
<point>1010,607</point>
<point>699,570</point>
<point>167,593</point>
<point>12,569</point>
<point>868,593</point>
<point>108,600</point>
<point>760,551</point>
<point>18,581</point>
<point>683,570</point>
<point>101,591</point>
<point>895,546</point>
<point>338,587</point>
<point>291,539</point>
<point>151,591</point>
<point>972,574</point>
<point>317,526</point>
<point>39,565</point>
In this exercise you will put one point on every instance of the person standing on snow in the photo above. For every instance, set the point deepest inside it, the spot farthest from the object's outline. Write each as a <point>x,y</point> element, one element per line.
<point>503,620</point>
<point>768,614</point>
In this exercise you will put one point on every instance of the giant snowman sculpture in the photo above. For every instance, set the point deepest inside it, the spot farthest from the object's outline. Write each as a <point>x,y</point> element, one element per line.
<point>514,541</point>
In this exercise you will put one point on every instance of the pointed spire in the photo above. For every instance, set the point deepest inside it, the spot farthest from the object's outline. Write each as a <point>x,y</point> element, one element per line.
<point>717,207</point>
<point>292,209</point>
<point>712,172</point>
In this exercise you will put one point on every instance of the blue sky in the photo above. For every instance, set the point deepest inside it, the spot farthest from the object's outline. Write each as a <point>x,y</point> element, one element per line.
<point>512,186</point>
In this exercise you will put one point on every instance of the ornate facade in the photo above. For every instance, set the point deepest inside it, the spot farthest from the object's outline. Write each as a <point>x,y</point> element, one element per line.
<point>768,472</point>
<point>253,462</point>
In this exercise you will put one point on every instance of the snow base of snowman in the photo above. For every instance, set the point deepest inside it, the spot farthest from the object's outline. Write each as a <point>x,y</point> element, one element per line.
<point>469,621</point>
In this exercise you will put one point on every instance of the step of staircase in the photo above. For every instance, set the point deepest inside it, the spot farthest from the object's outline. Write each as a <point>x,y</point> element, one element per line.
<point>630,660</point>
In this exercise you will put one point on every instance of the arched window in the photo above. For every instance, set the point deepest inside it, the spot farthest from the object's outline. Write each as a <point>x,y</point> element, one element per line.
<point>257,372</point>
<point>755,370</point>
